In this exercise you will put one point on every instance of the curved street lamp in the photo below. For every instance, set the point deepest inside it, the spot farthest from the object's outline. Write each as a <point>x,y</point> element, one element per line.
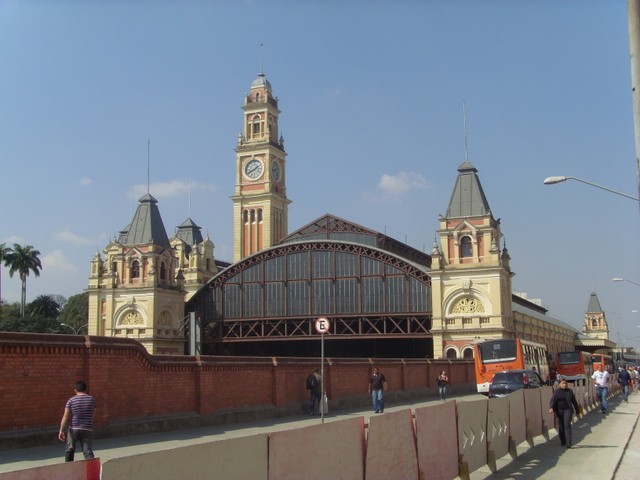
<point>560,179</point>
<point>619,279</point>
<point>75,330</point>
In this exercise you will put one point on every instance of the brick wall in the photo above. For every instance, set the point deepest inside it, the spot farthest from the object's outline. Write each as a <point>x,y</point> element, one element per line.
<point>38,373</point>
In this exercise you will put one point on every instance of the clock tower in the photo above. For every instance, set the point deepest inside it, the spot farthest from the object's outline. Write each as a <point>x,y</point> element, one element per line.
<point>260,200</point>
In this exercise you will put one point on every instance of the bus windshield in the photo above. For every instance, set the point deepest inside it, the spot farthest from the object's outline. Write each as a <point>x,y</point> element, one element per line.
<point>498,351</point>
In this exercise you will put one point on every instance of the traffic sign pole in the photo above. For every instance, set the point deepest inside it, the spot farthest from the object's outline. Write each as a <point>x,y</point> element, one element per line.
<point>322,377</point>
<point>322,327</point>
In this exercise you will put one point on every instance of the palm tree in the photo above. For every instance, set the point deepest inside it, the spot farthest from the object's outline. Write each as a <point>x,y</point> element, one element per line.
<point>24,260</point>
<point>5,252</point>
<point>45,306</point>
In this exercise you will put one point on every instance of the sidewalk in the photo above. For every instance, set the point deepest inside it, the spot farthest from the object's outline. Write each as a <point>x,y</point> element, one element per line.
<point>605,446</point>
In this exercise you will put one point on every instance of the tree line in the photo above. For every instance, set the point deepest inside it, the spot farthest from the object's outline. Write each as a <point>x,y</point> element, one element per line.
<point>46,313</point>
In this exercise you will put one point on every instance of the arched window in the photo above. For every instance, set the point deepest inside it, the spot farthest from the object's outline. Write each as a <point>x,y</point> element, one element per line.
<point>135,269</point>
<point>466,249</point>
<point>467,353</point>
<point>451,353</point>
<point>255,126</point>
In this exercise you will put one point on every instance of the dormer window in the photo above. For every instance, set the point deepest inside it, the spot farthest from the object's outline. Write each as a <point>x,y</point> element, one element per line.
<point>466,249</point>
<point>163,271</point>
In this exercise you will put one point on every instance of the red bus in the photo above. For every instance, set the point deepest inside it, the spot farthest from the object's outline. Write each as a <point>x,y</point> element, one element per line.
<point>574,365</point>
<point>605,360</point>
<point>493,356</point>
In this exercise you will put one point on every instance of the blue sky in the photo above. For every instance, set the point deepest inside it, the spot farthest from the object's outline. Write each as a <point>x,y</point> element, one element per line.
<point>371,94</point>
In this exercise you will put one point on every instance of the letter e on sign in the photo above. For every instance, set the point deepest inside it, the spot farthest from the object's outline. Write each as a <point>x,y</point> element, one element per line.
<point>322,325</point>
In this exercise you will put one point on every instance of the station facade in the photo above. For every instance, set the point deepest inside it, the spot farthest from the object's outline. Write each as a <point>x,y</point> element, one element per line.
<point>382,297</point>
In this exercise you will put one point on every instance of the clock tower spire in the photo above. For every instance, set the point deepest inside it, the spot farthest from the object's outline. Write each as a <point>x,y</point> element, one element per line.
<point>260,200</point>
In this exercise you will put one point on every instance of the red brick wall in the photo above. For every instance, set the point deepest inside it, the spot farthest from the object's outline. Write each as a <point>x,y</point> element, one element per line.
<point>38,373</point>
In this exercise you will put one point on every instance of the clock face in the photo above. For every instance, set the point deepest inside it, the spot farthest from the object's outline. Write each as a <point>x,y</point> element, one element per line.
<point>275,171</point>
<point>253,169</point>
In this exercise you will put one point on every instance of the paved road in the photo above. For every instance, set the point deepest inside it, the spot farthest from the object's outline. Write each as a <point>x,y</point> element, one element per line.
<point>606,446</point>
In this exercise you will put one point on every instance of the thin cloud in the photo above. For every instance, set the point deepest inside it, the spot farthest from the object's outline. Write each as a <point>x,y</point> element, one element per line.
<point>175,188</point>
<point>56,261</point>
<point>72,238</point>
<point>12,239</point>
<point>401,184</point>
<point>333,92</point>
<point>84,181</point>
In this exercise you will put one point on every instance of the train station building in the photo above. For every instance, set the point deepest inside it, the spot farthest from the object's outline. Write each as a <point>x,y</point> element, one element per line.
<point>382,298</point>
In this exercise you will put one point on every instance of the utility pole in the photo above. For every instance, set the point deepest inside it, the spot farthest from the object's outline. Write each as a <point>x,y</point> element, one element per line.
<point>633,15</point>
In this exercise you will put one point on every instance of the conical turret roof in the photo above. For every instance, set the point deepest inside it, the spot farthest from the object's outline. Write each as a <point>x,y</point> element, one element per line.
<point>146,226</point>
<point>468,199</point>
<point>594,304</point>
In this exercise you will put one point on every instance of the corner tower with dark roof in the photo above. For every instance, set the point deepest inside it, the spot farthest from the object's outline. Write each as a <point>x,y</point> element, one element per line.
<point>195,257</point>
<point>595,321</point>
<point>470,276</point>
<point>134,291</point>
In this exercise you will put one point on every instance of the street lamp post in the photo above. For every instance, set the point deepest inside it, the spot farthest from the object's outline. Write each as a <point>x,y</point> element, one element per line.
<point>75,330</point>
<point>560,179</point>
<point>619,279</point>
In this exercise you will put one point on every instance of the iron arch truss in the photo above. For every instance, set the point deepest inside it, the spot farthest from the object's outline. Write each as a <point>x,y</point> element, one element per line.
<point>276,295</point>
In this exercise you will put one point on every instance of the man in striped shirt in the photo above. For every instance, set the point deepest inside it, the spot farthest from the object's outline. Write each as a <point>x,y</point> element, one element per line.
<point>77,423</point>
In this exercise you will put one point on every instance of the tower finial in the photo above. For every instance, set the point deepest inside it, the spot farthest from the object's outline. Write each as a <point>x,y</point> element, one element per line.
<point>464,114</point>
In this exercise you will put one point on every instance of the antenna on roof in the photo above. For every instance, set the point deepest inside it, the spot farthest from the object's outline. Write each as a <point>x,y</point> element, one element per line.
<point>190,182</point>
<point>464,113</point>
<point>261,58</point>
<point>148,164</point>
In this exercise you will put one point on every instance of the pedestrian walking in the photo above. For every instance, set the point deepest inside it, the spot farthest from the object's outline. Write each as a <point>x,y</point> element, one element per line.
<point>601,378</point>
<point>314,385</point>
<point>443,381</point>
<point>77,423</point>
<point>624,379</point>
<point>564,405</point>
<point>377,387</point>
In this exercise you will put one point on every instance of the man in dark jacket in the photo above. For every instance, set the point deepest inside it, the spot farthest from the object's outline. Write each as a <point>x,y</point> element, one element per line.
<point>563,403</point>
<point>624,379</point>
<point>314,385</point>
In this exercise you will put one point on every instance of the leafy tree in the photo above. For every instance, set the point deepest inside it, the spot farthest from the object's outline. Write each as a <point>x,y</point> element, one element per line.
<point>61,300</point>
<point>44,306</point>
<point>76,311</point>
<point>4,258</point>
<point>24,260</point>
<point>33,324</point>
<point>10,310</point>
